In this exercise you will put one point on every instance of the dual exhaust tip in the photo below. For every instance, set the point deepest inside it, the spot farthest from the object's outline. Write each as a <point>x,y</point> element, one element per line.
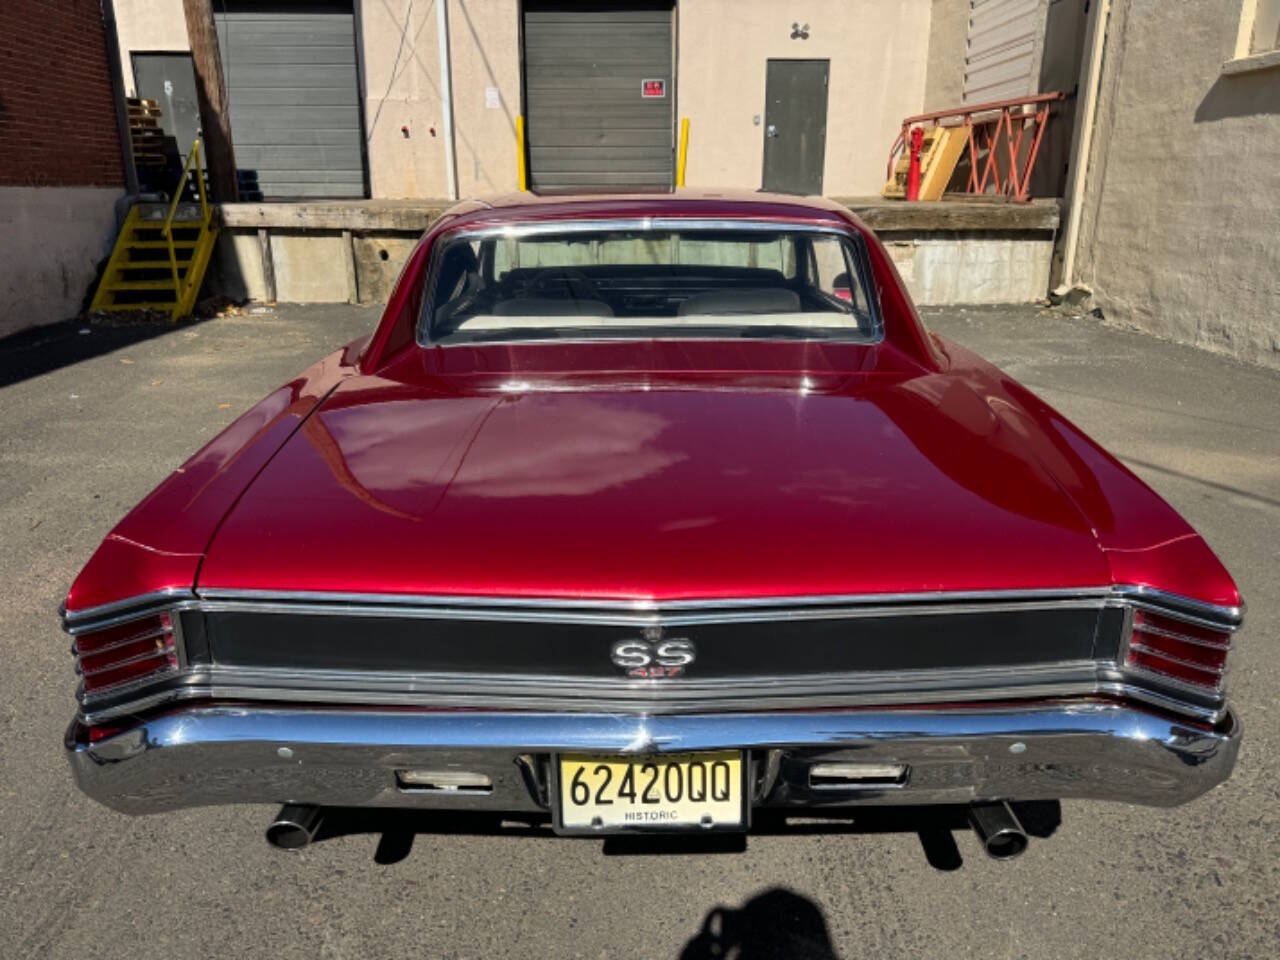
<point>295,826</point>
<point>998,829</point>
<point>996,825</point>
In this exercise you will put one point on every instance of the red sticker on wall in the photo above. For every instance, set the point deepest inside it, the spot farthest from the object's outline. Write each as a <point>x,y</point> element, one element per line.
<point>653,88</point>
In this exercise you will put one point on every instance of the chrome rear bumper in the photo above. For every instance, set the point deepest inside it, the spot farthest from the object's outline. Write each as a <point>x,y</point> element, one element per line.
<point>1085,749</point>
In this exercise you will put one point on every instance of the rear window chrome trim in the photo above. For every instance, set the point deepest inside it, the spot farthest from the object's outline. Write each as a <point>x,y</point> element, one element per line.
<point>422,332</point>
<point>756,224</point>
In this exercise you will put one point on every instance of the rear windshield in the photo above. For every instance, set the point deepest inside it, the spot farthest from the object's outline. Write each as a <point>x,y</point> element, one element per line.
<point>598,282</point>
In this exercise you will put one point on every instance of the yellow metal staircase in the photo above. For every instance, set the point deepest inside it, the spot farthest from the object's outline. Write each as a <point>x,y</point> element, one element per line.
<point>162,253</point>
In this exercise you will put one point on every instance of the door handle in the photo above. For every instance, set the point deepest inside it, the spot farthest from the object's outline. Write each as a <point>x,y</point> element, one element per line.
<point>771,130</point>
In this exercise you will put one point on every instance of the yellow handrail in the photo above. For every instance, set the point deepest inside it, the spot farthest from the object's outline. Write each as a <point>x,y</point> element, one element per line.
<point>683,157</point>
<point>194,155</point>
<point>522,172</point>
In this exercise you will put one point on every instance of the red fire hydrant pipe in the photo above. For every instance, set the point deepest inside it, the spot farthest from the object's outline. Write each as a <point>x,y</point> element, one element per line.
<point>913,171</point>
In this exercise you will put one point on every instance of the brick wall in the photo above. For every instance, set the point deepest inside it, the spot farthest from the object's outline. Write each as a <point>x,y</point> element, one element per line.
<point>57,112</point>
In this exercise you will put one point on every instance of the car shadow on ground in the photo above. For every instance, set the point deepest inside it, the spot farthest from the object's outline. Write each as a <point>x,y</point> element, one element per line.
<point>935,826</point>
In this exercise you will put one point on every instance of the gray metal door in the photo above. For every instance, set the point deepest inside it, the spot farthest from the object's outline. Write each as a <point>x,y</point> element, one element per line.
<point>294,96</point>
<point>169,80</point>
<point>795,125</point>
<point>599,90</point>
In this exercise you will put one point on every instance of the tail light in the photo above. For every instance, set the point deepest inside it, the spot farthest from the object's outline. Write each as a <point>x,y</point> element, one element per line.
<point>126,653</point>
<point>1187,652</point>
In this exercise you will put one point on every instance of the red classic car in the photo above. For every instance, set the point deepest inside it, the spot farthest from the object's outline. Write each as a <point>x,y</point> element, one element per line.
<point>646,513</point>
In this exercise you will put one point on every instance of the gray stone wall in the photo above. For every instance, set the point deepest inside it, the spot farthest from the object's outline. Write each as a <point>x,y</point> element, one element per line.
<point>1180,228</point>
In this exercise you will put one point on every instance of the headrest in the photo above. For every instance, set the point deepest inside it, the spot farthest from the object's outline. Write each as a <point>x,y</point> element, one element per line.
<point>746,300</point>
<point>551,307</point>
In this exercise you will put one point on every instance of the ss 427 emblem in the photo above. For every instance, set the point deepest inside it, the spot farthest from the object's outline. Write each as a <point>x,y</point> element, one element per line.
<point>654,657</point>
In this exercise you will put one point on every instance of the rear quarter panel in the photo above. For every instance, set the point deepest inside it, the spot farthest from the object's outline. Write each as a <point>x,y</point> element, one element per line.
<point>1146,541</point>
<point>159,544</point>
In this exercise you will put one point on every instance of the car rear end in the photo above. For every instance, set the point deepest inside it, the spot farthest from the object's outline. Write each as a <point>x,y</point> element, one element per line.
<point>611,717</point>
<point>662,569</point>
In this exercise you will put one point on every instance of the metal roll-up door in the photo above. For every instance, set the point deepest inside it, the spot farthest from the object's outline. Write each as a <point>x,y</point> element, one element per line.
<point>599,94</point>
<point>294,97</point>
<point>1002,59</point>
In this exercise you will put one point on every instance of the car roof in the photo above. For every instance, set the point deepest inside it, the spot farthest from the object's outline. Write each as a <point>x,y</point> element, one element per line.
<point>682,202</point>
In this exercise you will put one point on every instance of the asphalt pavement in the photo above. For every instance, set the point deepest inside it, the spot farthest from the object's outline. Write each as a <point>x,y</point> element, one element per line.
<point>89,422</point>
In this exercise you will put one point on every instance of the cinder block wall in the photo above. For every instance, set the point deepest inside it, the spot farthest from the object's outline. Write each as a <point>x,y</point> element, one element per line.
<point>61,170</point>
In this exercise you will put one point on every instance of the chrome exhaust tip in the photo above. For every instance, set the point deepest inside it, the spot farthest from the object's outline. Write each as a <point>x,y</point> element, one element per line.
<point>998,829</point>
<point>295,826</point>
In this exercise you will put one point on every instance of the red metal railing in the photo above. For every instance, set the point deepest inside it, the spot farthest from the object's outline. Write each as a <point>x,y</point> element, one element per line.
<point>998,162</point>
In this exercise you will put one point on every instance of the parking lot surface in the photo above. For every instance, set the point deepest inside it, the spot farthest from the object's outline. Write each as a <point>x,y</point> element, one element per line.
<point>80,443</point>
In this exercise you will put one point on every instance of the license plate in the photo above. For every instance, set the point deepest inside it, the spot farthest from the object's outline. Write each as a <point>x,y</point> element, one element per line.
<point>690,791</point>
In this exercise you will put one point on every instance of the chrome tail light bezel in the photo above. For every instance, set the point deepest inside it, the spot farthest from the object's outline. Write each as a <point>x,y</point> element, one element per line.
<point>1162,644</point>
<point>157,639</point>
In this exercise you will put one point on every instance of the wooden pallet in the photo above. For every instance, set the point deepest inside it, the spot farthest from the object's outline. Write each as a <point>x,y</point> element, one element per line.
<point>145,133</point>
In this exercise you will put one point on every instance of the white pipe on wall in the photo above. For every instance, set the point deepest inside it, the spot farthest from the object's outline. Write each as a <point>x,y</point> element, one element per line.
<point>1092,81</point>
<point>446,97</point>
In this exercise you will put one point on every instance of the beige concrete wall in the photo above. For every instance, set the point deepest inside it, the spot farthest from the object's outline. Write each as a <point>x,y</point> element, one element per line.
<point>400,62</point>
<point>877,53</point>
<point>1180,228</point>
<point>142,25</point>
<point>484,37</point>
<point>948,36</point>
<point>51,241</point>
<point>399,47</point>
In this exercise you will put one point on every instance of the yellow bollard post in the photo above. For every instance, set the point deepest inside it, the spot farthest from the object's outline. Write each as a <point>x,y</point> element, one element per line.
<point>683,158</point>
<point>521,166</point>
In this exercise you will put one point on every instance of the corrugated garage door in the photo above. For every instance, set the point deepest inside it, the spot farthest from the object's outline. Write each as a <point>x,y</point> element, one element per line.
<point>592,118</point>
<point>1001,60</point>
<point>294,96</point>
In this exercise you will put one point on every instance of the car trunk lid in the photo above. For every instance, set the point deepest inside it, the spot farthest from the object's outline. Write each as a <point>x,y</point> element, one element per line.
<point>816,484</point>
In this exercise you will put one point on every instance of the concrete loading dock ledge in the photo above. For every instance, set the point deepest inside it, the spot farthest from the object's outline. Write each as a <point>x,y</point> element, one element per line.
<point>351,251</point>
